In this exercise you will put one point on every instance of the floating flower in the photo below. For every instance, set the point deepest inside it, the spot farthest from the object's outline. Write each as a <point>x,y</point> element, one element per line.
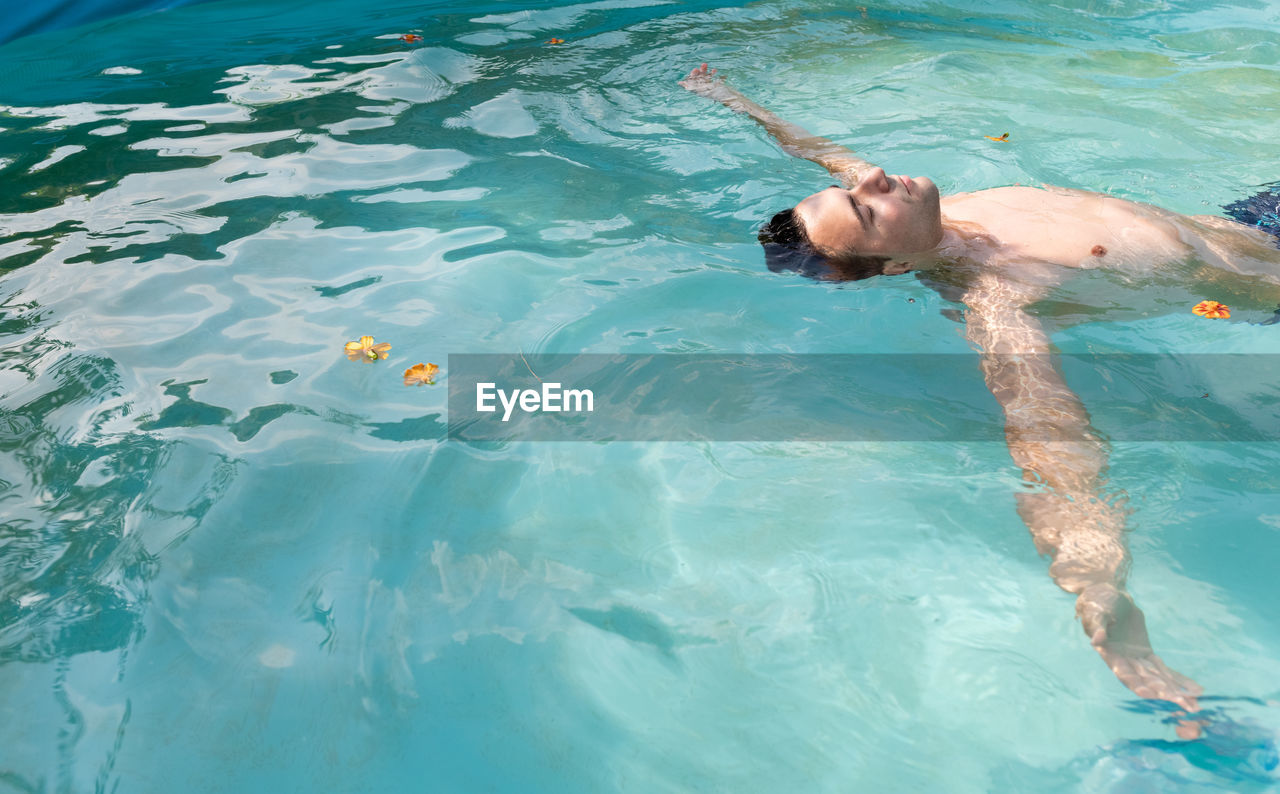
<point>1212,309</point>
<point>419,374</point>
<point>366,350</point>
<point>411,38</point>
<point>556,41</point>
<point>1002,139</point>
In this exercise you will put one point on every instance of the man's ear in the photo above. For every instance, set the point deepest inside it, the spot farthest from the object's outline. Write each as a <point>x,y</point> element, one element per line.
<point>892,268</point>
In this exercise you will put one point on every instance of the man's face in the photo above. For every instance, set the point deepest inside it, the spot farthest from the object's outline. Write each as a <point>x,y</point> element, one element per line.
<point>882,214</point>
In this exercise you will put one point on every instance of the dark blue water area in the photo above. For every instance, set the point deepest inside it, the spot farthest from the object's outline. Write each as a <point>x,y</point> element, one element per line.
<point>1234,751</point>
<point>60,60</point>
<point>50,15</point>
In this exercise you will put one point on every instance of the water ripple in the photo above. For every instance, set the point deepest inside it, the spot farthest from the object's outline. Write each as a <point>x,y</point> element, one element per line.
<point>206,509</point>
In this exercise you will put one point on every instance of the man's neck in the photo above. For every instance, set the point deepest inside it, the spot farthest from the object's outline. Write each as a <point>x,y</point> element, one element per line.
<point>956,243</point>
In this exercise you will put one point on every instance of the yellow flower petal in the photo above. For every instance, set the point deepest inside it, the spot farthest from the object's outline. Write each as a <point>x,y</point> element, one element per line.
<point>366,350</point>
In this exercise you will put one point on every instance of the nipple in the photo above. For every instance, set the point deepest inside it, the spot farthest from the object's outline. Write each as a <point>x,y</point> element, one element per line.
<point>1098,250</point>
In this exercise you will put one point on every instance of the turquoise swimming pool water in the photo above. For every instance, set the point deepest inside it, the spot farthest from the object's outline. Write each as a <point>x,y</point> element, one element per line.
<point>233,560</point>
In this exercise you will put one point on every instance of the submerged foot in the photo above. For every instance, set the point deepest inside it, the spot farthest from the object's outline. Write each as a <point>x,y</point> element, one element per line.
<point>1118,632</point>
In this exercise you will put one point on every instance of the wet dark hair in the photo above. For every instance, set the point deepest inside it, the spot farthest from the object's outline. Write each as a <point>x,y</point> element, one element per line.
<point>787,247</point>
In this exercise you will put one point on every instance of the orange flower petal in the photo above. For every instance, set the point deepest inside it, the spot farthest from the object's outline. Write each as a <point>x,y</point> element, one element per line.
<point>419,374</point>
<point>1212,309</point>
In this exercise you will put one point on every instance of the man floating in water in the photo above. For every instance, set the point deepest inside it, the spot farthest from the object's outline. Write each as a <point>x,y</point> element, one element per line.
<point>1002,250</point>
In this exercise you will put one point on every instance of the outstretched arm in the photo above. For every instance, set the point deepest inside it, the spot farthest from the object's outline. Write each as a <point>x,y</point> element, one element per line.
<point>794,139</point>
<point>1051,440</point>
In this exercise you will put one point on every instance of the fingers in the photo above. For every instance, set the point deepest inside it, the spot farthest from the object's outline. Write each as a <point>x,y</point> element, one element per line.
<point>1150,678</point>
<point>1188,730</point>
<point>702,81</point>
<point>697,73</point>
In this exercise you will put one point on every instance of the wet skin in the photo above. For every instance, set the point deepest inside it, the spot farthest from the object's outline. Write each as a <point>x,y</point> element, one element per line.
<point>880,214</point>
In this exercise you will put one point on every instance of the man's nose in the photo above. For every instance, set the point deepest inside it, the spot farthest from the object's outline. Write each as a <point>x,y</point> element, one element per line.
<point>875,181</point>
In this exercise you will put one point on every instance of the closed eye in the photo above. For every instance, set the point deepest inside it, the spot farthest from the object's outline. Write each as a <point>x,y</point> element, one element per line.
<point>865,221</point>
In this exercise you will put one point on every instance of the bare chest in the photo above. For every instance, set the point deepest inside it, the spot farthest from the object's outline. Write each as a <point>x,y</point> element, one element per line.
<point>1068,228</point>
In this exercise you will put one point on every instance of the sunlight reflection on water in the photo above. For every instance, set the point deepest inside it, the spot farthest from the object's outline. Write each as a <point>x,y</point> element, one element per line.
<point>222,538</point>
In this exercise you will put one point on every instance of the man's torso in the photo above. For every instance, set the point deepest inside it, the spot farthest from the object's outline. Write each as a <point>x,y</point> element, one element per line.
<point>1034,238</point>
<point>1066,228</point>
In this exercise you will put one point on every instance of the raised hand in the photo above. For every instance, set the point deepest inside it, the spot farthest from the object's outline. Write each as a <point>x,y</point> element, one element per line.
<point>705,82</point>
<point>793,138</point>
